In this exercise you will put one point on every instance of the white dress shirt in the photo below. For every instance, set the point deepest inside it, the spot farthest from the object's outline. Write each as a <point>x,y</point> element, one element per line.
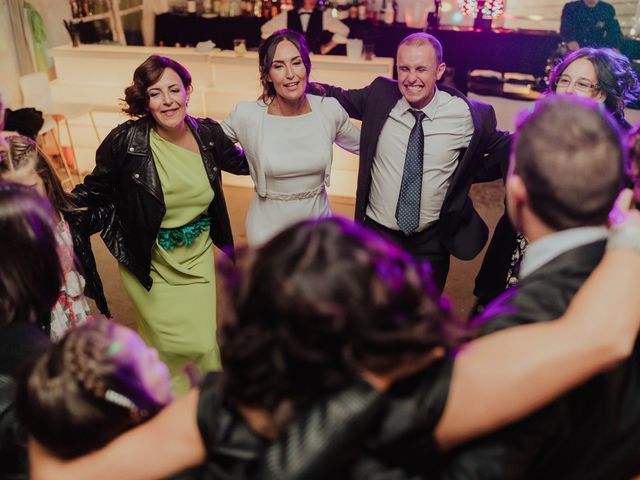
<point>340,30</point>
<point>448,129</point>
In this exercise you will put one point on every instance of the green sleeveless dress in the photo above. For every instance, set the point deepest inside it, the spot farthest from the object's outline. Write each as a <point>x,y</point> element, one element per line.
<point>178,315</point>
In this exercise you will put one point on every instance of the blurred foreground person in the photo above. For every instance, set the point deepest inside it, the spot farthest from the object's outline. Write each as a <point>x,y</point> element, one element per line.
<point>30,280</point>
<point>352,305</point>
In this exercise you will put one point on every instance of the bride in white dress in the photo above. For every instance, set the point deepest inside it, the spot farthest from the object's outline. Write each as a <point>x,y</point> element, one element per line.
<point>288,137</point>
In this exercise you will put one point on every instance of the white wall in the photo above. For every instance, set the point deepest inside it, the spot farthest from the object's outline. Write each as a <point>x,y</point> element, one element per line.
<point>53,12</point>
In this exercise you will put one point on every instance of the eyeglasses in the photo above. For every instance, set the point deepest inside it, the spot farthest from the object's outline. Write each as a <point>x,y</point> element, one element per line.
<point>564,81</point>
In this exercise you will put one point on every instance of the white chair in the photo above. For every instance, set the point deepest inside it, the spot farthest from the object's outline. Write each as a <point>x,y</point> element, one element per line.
<point>36,93</point>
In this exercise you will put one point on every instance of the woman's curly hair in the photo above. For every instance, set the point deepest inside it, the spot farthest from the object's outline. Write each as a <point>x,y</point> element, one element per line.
<point>616,77</point>
<point>318,303</point>
<point>148,73</point>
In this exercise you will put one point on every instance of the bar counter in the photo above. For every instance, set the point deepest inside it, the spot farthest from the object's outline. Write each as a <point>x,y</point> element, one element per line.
<point>465,49</point>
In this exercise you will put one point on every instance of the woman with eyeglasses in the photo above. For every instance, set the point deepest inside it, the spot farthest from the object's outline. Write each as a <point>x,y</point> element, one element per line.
<point>601,74</point>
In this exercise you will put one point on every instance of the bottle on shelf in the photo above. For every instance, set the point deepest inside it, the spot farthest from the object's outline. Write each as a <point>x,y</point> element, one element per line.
<point>257,8</point>
<point>275,8</point>
<point>353,10</point>
<point>234,8</point>
<point>266,8</point>
<point>389,12</point>
<point>87,8</point>
<point>207,6</point>
<point>191,7</point>
<point>363,6</point>
<point>75,9</point>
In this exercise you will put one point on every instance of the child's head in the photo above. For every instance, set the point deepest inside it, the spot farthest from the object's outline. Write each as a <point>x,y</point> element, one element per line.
<point>97,382</point>
<point>23,162</point>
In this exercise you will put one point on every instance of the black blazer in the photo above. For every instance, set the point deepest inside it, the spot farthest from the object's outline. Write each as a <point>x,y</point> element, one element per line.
<point>464,233</point>
<point>589,433</point>
<point>315,28</point>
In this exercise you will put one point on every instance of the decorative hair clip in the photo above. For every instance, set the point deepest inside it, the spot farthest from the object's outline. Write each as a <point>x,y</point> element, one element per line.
<point>114,348</point>
<point>119,399</point>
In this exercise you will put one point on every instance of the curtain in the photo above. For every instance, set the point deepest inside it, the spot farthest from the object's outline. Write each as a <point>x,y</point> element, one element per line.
<point>39,40</point>
<point>21,37</point>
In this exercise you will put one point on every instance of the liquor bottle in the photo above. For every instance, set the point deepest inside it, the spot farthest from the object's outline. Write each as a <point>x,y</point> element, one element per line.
<point>275,8</point>
<point>224,8</point>
<point>257,8</point>
<point>191,7</point>
<point>234,8</point>
<point>362,9</point>
<point>75,9</point>
<point>266,8</point>
<point>353,10</point>
<point>389,13</point>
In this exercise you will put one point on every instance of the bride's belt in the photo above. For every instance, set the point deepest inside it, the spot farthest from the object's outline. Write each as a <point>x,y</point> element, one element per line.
<point>295,196</point>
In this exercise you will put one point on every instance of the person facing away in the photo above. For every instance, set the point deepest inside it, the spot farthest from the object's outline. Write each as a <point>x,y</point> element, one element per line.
<point>590,23</point>
<point>287,136</point>
<point>600,74</point>
<point>98,381</point>
<point>321,31</point>
<point>565,174</point>
<point>353,305</point>
<point>421,146</point>
<point>30,281</point>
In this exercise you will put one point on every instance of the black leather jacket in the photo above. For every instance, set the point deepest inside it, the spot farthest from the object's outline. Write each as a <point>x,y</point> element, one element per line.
<point>126,179</point>
<point>354,434</point>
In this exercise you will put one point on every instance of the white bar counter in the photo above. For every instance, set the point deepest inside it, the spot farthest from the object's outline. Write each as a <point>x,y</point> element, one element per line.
<point>98,74</point>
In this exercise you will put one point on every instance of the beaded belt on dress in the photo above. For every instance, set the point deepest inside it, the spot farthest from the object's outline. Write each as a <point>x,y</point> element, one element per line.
<point>169,238</point>
<point>295,196</point>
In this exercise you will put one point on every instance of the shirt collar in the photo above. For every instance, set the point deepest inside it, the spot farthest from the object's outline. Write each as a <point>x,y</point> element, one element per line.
<point>429,110</point>
<point>547,248</point>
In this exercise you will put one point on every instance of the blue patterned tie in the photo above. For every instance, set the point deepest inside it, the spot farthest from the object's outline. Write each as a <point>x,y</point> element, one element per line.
<point>408,209</point>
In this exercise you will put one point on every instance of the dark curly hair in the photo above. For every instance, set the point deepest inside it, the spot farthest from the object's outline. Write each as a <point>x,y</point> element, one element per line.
<point>267,52</point>
<point>616,78</point>
<point>318,303</point>
<point>148,73</point>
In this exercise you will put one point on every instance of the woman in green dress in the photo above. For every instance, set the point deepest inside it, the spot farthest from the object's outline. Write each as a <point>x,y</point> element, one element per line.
<point>156,191</point>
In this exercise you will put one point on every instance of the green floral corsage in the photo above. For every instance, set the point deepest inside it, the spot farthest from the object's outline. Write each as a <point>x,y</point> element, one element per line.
<point>170,238</point>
